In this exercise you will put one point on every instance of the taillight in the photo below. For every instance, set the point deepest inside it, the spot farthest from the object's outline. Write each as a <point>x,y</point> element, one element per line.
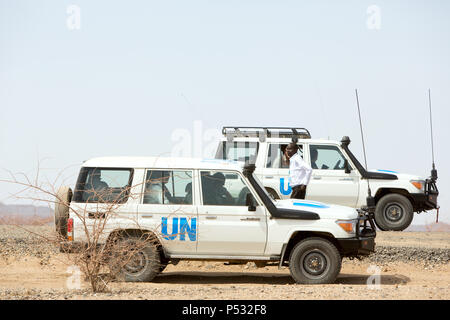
<point>70,229</point>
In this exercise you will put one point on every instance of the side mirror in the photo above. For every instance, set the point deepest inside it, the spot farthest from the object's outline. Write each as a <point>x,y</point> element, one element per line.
<point>250,202</point>
<point>347,167</point>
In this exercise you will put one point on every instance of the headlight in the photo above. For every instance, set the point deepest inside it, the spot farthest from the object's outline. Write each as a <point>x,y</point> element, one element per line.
<point>419,184</point>
<point>348,226</point>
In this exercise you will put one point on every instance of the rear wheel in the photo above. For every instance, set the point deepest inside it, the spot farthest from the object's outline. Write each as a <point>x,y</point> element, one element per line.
<point>162,267</point>
<point>315,261</point>
<point>135,260</point>
<point>394,212</point>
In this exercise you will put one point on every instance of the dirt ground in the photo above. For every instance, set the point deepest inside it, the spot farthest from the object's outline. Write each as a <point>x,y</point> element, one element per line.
<point>410,275</point>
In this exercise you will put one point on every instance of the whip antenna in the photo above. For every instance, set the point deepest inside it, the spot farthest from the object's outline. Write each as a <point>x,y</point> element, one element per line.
<point>361,128</point>
<point>370,200</point>
<point>434,175</point>
<point>433,170</point>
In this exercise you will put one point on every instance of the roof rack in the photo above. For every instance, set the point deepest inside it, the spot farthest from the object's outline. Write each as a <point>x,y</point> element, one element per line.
<point>266,132</point>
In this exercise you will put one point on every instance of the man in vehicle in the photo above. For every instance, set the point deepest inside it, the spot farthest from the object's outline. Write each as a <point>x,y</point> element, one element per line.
<point>156,191</point>
<point>299,172</point>
<point>221,193</point>
<point>96,189</point>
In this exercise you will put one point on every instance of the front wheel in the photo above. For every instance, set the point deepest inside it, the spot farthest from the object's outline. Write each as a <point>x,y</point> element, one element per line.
<point>394,212</point>
<point>315,261</point>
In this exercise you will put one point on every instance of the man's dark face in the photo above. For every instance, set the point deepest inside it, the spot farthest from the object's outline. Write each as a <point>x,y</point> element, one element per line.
<point>291,149</point>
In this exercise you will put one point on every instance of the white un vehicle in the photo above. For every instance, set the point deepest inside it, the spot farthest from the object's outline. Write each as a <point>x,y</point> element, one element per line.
<point>210,210</point>
<point>338,177</point>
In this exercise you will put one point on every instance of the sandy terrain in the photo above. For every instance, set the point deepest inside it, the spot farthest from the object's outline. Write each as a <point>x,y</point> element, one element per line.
<point>412,265</point>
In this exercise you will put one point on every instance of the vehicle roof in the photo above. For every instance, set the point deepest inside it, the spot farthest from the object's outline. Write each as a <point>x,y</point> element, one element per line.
<point>256,139</point>
<point>163,162</point>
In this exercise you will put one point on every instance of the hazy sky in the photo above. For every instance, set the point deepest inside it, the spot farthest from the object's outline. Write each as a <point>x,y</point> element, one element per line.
<point>135,72</point>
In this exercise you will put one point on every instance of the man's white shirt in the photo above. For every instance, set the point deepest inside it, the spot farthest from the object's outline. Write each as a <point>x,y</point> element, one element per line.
<point>299,171</point>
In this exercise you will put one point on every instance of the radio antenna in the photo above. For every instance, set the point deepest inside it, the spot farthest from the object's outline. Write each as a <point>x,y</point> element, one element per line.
<point>370,200</point>
<point>361,128</point>
<point>433,170</point>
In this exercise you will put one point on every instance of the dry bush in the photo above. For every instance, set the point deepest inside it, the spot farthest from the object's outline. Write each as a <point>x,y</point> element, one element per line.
<point>123,253</point>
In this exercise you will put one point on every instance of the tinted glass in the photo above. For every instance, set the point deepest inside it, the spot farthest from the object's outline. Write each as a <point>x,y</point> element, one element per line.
<point>168,187</point>
<point>326,157</point>
<point>104,185</point>
<point>223,189</point>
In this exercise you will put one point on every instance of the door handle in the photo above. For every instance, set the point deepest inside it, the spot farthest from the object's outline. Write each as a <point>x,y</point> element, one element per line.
<point>346,179</point>
<point>250,219</point>
<point>211,217</point>
<point>268,177</point>
<point>147,216</point>
<point>96,215</point>
<point>317,178</point>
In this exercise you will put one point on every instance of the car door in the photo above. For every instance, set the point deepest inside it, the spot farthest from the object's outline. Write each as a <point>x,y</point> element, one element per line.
<point>276,172</point>
<point>167,206</point>
<point>329,182</point>
<point>226,226</point>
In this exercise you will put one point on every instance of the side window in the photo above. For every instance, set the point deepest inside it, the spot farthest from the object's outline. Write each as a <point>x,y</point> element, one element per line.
<point>276,157</point>
<point>238,151</point>
<point>326,157</point>
<point>104,185</point>
<point>223,189</point>
<point>168,187</point>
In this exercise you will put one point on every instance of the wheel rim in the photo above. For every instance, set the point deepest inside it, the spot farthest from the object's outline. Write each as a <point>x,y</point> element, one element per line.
<point>394,213</point>
<point>315,264</point>
<point>137,264</point>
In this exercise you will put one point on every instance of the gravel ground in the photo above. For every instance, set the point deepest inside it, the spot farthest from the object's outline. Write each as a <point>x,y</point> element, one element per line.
<point>413,265</point>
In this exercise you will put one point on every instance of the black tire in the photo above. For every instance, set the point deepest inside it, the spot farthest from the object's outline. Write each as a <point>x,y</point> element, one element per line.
<point>162,267</point>
<point>394,212</point>
<point>315,261</point>
<point>142,265</point>
<point>62,203</point>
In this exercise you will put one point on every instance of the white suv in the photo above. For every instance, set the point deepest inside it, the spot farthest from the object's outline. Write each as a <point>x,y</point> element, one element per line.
<point>211,210</point>
<point>338,177</point>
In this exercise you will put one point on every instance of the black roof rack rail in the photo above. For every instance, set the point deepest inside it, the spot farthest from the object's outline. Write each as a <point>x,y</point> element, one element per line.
<point>266,132</point>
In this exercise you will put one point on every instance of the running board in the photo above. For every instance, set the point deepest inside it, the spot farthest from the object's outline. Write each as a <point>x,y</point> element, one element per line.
<point>213,257</point>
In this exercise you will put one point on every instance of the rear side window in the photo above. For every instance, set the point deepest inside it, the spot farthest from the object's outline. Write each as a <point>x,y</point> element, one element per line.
<point>168,187</point>
<point>103,185</point>
<point>276,158</point>
<point>238,151</point>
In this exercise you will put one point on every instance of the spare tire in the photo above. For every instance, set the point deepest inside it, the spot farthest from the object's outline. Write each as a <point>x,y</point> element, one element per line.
<point>62,202</point>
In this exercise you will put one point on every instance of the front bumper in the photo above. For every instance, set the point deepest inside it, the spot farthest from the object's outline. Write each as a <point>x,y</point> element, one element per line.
<point>428,199</point>
<point>358,246</point>
<point>364,241</point>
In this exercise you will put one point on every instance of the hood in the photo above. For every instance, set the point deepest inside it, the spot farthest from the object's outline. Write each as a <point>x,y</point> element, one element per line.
<point>400,176</point>
<point>325,211</point>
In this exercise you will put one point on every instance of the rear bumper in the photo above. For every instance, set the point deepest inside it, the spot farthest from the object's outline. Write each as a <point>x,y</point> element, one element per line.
<point>358,246</point>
